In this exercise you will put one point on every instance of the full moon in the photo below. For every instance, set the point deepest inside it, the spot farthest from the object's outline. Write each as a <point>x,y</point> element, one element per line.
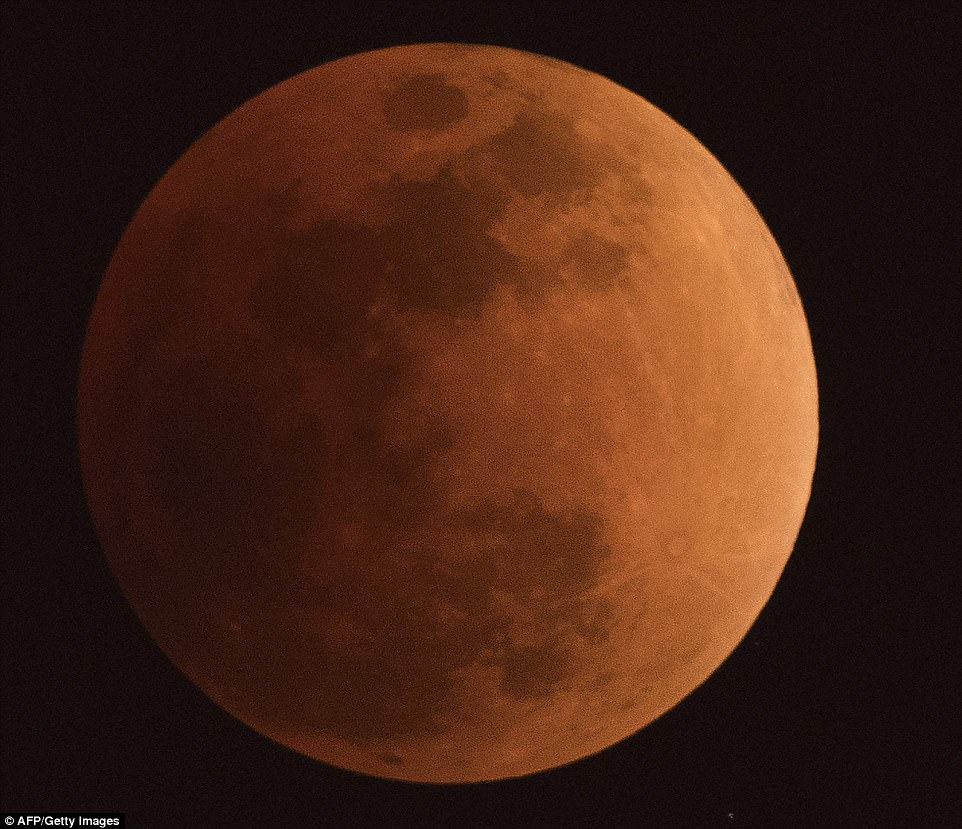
<point>447,413</point>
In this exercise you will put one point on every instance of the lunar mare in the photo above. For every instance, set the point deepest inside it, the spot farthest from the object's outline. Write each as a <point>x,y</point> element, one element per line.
<point>447,413</point>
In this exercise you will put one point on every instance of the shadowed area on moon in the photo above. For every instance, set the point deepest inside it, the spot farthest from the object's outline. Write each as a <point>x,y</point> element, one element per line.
<point>243,492</point>
<point>375,475</point>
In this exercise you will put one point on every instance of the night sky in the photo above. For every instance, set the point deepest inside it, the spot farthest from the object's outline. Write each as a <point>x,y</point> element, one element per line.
<point>836,710</point>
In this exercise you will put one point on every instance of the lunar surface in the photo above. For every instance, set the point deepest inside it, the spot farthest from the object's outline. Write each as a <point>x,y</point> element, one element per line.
<point>447,413</point>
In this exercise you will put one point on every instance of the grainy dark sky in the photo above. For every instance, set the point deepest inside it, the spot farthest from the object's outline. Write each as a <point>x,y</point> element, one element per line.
<point>836,709</point>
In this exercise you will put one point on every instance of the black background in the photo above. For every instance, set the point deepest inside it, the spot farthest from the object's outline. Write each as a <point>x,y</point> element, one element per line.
<point>836,710</point>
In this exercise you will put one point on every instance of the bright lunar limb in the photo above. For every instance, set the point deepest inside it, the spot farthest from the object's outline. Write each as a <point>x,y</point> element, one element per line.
<point>447,413</point>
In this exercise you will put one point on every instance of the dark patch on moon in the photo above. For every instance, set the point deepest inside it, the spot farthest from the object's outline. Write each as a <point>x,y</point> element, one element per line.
<point>500,79</point>
<point>416,620</point>
<point>541,152</point>
<point>319,290</point>
<point>231,479</point>
<point>548,559</point>
<point>441,256</point>
<point>318,297</point>
<point>392,759</point>
<point>534,671</point>
<point>597,262</point>
<point>171,277</point>
<point>425,102</point>
<point>434,255</point>
<point>551,552</point>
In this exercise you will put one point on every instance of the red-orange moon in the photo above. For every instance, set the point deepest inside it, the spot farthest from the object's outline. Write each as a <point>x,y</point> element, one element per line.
<point>447,413</point>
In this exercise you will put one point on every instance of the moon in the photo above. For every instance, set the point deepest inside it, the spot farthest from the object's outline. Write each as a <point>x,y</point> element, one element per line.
<point>447,413</point>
